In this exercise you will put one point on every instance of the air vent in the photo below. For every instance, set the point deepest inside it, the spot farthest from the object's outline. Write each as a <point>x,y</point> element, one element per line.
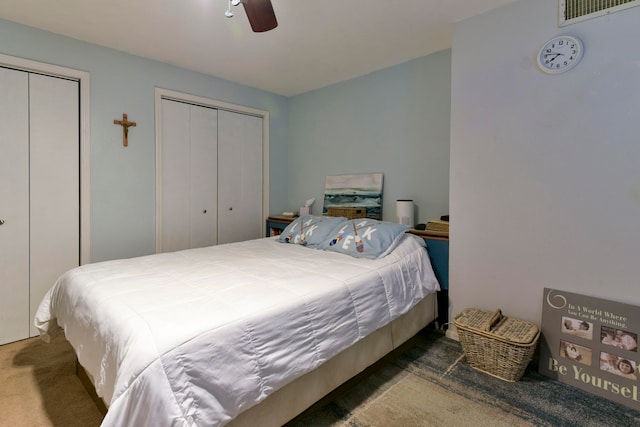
<point>572,11</point>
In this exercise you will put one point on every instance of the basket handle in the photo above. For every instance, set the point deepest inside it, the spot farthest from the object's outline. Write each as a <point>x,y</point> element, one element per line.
<point>493,321</point>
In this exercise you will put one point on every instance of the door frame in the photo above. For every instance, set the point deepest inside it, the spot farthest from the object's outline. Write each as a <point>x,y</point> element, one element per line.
<point>160,94</point>
<point>82,77</point>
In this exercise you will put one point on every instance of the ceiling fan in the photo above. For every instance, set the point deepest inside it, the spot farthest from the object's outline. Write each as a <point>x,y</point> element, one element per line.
<point>259,12</point>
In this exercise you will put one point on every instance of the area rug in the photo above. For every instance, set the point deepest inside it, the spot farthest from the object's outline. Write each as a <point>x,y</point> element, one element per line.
<point>430,384</point>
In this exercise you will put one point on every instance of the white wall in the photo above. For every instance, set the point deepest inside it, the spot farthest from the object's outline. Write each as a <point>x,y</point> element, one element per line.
<point>394,121</point>
<point>545,170</point>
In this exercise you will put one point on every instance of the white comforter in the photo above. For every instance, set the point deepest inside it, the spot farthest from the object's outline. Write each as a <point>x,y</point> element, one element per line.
<point>197,336</point>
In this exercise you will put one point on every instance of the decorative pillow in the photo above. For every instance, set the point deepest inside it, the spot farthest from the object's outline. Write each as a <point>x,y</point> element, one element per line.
<point>364,237</point>
<point>309,230</point>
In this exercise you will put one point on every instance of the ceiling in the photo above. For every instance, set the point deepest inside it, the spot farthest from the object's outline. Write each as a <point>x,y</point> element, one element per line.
<point>317,43</point>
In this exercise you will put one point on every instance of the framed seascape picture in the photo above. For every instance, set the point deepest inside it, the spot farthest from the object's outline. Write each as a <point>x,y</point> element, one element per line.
<point>592,344</point>
<point>354,191</point>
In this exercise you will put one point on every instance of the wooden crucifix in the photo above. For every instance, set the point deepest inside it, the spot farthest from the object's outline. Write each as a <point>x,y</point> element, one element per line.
<point>125,123</point>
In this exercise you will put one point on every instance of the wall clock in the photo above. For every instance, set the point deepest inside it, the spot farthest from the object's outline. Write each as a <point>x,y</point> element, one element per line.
<point>560,54</point>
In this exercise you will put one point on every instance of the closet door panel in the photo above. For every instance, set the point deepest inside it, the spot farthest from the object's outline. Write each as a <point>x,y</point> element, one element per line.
<point>240,177</point>
<point>176,193</point>
<point>204,177</point>
<point>54,186</point>
<point>14,206</point>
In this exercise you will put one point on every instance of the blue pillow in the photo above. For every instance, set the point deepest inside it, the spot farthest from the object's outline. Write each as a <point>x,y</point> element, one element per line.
<point>364,237</point>
<point>309,230</point>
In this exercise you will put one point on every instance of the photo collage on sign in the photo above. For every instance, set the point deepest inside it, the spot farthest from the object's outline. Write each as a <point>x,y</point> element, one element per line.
<point>615,344</point>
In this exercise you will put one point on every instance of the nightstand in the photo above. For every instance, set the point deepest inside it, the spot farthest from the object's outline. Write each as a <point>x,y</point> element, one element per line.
<point>438,247</point>
<point>275,224</point>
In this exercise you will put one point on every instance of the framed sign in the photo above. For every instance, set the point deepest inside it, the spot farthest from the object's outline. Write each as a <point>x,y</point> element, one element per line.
<point>592,344</point>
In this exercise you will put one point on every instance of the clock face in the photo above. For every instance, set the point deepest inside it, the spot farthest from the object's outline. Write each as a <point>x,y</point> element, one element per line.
<point>560,54</point>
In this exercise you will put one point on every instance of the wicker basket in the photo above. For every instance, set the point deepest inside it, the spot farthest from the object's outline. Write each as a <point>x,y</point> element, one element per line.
<point>497,345</point>
<point>349,213</point>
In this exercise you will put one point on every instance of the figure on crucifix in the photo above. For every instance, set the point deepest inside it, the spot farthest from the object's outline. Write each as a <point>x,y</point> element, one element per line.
<point>125,123</point>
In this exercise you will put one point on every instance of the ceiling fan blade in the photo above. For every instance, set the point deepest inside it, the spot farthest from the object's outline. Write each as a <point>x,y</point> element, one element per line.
<point>261,15</point>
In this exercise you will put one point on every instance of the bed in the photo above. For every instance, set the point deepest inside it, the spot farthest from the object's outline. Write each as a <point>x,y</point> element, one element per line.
<point>248,333</point>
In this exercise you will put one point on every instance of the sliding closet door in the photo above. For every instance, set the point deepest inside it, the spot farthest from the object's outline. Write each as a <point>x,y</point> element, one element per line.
<point>210,176</point>
<point>54,189</point>
<point>14,205</point>
<point>240,174</point>
<point>189,176</point>
<point>175,183</point>
<point>204,177</point>
<point>39,193</point>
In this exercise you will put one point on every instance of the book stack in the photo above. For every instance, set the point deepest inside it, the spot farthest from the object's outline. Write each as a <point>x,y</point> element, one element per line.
<point>438,225</point>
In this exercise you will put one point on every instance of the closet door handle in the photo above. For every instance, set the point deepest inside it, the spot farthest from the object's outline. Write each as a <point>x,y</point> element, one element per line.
<point>1,221</point>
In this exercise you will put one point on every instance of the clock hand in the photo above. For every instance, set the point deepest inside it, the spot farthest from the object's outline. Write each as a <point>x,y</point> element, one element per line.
<point>554,58</point>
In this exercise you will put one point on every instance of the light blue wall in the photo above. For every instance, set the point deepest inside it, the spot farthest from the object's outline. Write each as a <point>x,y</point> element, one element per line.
<point>123,179</point>
<point>545,170</point>
<point>394,121</point>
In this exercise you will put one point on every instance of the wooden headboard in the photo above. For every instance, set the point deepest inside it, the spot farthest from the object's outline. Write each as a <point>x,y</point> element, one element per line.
<point>347,212</point>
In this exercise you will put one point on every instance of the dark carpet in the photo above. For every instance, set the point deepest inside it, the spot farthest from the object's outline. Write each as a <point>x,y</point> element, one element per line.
<point>444,390</point>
